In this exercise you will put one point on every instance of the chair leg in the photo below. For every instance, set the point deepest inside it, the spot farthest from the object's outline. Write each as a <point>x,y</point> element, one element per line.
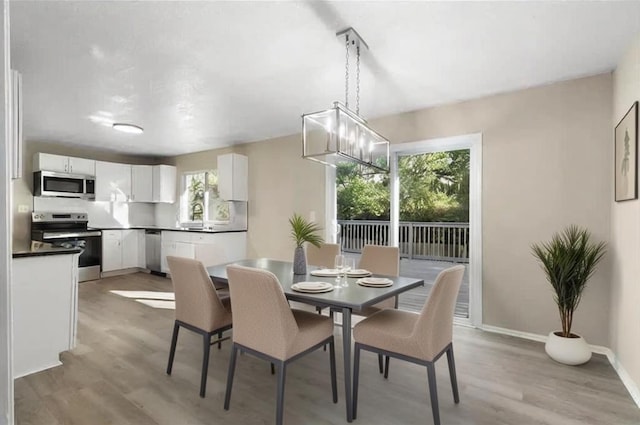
<point>380,366</point>
<point>332,363</point>
<point>356,378</point>
<point>232,369</point>
<point>280,396</point>
<point>172,350</point>
<point>206,347</point>
<point>386,367</point>
<point>433,392</point>
<point>219,338</point>
<point>452,374</point>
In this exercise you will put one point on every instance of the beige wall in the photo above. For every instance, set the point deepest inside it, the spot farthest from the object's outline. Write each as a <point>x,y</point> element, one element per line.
<point>23,188</point>
<point>546,156</point>
<point>625,234</point>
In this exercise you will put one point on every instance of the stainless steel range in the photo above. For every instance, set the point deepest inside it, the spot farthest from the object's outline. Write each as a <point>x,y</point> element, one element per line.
<point>70,230</point>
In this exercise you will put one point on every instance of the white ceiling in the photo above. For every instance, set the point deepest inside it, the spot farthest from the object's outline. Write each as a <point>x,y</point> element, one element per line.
<point>201,75</point>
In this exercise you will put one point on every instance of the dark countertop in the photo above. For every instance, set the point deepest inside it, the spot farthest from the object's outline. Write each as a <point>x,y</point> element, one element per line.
<point>38,249</point>
<point>172,229</point>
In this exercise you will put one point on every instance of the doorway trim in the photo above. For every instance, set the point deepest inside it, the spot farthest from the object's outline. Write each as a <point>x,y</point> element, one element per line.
<point>473,142</point>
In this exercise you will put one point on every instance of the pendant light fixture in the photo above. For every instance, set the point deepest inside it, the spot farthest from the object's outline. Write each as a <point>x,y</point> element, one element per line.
<point>341,134</point>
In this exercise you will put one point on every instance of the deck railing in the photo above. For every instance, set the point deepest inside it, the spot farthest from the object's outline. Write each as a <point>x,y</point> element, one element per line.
<point>429,241</point>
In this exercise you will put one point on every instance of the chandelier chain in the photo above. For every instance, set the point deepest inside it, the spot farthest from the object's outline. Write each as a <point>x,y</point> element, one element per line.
<point>358,80</point>
<point>346,72</point>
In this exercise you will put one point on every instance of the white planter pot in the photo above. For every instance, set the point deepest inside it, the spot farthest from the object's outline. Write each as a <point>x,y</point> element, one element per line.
<point>569,351</point>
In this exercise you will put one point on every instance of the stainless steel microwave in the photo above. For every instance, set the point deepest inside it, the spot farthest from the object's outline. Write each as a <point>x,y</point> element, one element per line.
<point>63,185</point>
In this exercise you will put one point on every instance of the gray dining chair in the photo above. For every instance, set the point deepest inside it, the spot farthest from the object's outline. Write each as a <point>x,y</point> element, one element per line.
<point>418,338</point>
<point>265,326</point>
<point>199,308</point>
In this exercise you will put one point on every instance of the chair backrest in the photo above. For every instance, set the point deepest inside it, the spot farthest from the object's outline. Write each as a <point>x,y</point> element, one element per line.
<point>197,302</point>
<point>324,256</point>
<point>434,329</point>
<point>380,259</point>
<point>262,318</point>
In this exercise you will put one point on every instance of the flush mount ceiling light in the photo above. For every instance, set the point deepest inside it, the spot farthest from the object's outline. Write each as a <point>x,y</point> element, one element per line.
<point>128,128</point>
<point>340,134</point>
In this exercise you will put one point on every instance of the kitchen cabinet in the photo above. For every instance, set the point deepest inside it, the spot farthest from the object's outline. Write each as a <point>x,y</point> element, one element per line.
<point>141,183</point>
<point>175,249</point>
<point>44,294</point>
<point>164,183</point>
<point>64,164</point>
<point>113,182</point>
<point>210,248</point>
<point>233,177</point>
<point>122,249</point>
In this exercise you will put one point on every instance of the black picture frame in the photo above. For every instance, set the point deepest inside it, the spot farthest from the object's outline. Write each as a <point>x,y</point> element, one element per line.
<point>626,156</point>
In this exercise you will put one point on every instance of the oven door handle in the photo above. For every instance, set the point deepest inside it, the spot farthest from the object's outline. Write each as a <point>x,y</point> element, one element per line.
<point>47,236</point>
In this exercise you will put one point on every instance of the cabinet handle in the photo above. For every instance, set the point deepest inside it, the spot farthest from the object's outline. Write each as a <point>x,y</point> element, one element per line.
<point>71,168</point>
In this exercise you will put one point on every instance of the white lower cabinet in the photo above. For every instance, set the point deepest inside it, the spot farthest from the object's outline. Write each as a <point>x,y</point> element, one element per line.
<point>44,294</point>
<point>210,248</point>
<point>122,249</point>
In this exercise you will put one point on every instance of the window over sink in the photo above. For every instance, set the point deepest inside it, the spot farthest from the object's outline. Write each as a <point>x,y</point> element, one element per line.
<point>200,203</point>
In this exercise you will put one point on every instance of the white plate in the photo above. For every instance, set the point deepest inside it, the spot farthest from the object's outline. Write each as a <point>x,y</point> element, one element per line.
<point>375,282</point>
<point>325,272</point>
<point>312,287</point>
<point>358,273</point>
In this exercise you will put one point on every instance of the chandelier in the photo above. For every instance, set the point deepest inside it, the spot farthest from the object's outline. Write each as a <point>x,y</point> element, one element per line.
<point>341,134</point>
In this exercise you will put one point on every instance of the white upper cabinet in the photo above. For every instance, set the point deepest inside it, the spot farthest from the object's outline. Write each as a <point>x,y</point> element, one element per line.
<point>232,177</point>
<point>113,182</point>
<point>141,183</point>
<point>63,164</point>
<point>164,183</point>
<point>82,166</point>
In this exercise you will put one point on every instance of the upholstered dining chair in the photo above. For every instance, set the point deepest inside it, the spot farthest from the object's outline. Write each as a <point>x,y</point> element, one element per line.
<point>384,260</point>
<point>198,308</point>
<point>418,338</point>
<point>264,325</point>
<point>324,256</point>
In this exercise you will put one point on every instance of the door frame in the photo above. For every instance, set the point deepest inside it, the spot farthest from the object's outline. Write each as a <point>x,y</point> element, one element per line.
<point>473,142</point>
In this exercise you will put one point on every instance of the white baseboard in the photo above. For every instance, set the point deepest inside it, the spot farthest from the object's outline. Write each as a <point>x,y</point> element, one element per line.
<point>631,386</point>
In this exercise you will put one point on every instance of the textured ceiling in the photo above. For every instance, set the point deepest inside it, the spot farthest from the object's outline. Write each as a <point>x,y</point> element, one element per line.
<point>201,75</point>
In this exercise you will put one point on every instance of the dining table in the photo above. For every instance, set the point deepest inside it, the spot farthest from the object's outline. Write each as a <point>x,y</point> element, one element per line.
<point>346,300</point>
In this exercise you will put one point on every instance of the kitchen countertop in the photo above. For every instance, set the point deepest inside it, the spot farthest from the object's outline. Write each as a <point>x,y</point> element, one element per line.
<point>172,229</point>
<point>38,249</point>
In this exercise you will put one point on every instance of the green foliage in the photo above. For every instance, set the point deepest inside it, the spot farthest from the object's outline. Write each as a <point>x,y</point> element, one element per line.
<point>569,260</point>
<point>433,187</point>
<point>304,231</point>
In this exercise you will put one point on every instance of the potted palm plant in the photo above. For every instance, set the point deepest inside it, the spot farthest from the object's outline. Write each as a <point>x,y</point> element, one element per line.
<point>568,260</point>
<point>303,231</point>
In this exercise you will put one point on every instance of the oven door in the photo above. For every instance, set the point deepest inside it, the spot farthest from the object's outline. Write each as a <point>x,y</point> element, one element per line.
<point>90,260</point>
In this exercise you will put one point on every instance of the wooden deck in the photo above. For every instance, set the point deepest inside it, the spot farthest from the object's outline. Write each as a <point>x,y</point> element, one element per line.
<point>427,270</point>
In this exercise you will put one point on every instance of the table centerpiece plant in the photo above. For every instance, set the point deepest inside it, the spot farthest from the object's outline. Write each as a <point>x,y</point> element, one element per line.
<point>303,231</point>
<point>568,260</point>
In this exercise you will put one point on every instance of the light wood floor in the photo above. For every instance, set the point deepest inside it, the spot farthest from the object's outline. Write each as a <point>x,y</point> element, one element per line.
<point>116,376</point>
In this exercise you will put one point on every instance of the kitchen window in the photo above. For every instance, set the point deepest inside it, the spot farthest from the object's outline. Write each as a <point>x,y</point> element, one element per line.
<point>200,204</point>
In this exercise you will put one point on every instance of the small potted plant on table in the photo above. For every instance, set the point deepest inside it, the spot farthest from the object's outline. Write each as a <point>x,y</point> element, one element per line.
<point>303,231</point>
<point>568,260</point>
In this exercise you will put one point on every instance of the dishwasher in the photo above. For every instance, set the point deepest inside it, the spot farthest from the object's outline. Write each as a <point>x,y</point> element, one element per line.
<point>153,250</point>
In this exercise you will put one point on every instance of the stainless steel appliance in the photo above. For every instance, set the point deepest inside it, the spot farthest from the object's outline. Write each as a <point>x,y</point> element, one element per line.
<point>70,230</point>
<point>49,183</point>
<point>153,250</point>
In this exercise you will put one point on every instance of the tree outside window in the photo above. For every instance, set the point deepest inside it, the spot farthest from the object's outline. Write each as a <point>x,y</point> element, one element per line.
<point>200,200</point>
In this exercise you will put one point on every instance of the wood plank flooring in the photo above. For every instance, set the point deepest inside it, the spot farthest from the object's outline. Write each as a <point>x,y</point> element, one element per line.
<point>116,375</point>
